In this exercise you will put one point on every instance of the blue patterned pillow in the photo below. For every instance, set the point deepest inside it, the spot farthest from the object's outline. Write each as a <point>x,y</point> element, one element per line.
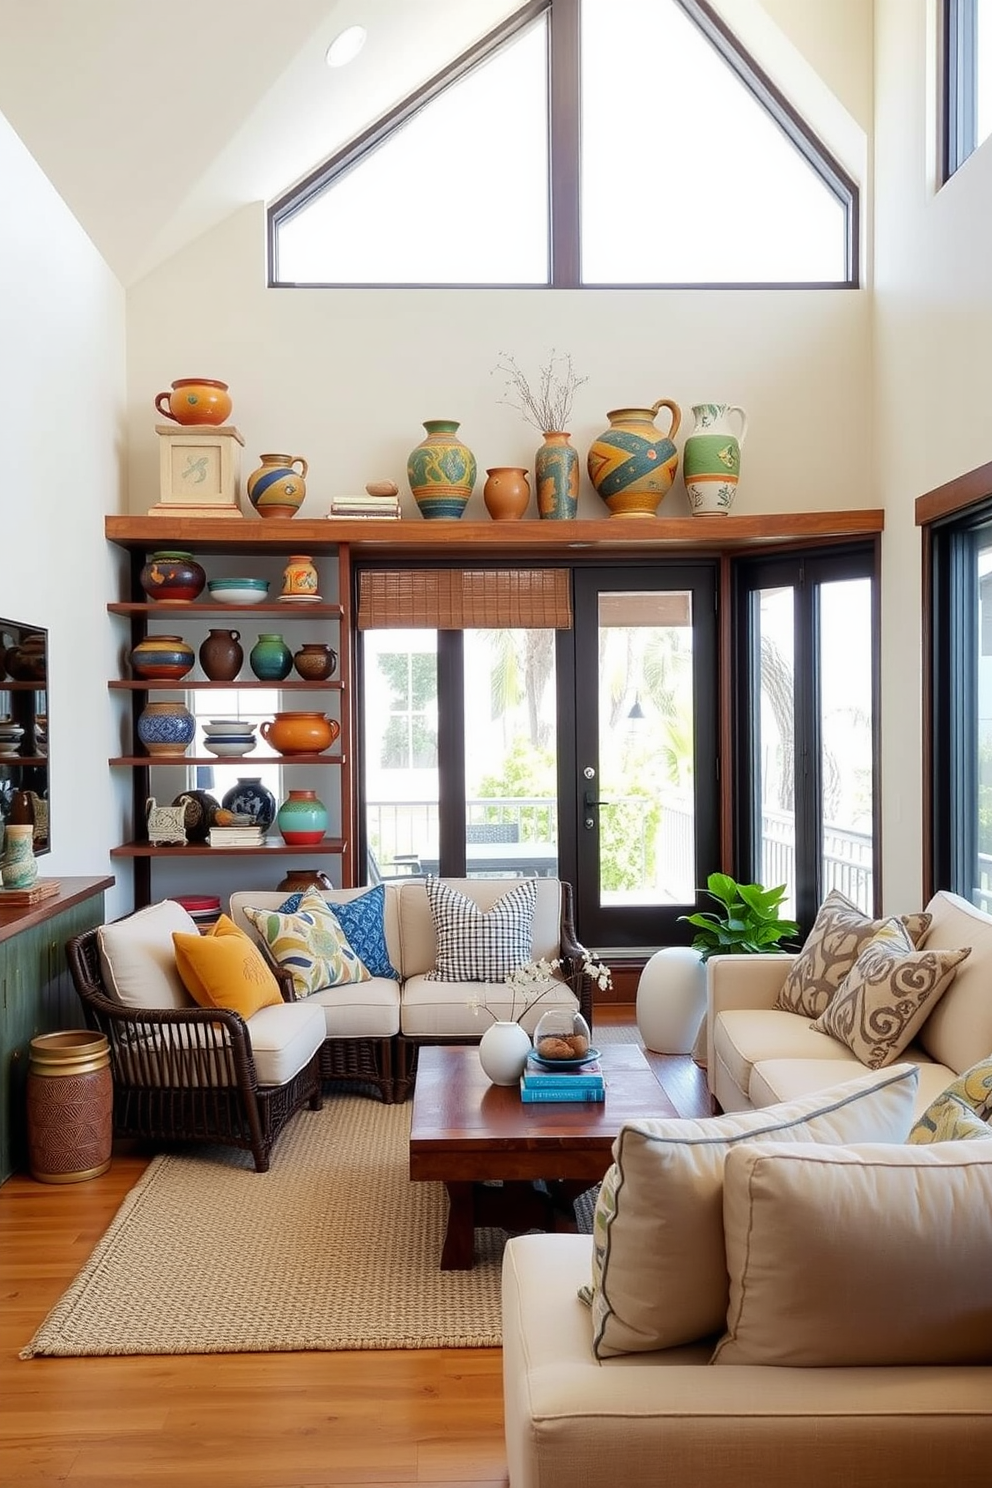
<point>362,921</point>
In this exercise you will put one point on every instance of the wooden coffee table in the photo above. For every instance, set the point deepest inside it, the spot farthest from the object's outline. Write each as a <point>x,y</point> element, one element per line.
<point>466,1132</point>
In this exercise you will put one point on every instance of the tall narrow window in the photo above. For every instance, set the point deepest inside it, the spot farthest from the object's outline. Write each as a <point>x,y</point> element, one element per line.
<point>806,762</point>
<point>967,79</point>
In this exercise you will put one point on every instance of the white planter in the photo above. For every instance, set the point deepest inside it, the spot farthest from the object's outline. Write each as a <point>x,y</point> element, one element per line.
<point>503,1051</point>
<point>671,1000</point>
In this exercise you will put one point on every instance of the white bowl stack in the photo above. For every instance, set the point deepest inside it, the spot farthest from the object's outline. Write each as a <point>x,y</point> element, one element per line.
<point>229,738</point>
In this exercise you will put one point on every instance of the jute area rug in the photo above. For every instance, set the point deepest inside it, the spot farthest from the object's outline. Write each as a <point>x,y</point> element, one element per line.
<point>333,1248</point>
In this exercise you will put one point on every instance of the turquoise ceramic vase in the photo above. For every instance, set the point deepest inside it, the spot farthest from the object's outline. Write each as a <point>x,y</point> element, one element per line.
<point>302,819</point>
<point>556,471</point>
<point>270,658</point>
<point>441,471</point>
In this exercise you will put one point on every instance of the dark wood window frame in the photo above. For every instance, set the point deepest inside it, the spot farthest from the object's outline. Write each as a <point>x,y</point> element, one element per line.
<point>564,269</point>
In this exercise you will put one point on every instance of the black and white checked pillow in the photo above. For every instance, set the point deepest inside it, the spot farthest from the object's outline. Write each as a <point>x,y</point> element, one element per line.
<point>481,945</point>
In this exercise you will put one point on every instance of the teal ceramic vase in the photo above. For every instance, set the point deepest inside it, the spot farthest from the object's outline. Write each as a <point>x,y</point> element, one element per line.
<point>302,819</point>
<point>20,868</point>
<point>711,458</point>
<point>556,476</point>
<point>270,658</point>
<point>441,471</point>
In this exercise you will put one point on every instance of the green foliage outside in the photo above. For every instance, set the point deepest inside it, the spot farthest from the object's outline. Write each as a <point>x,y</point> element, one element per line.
<point>750,921</point>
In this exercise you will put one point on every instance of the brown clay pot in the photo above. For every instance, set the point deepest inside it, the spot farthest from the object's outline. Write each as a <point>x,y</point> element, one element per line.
<point>506,493</point>
<point>298,879</point>
<point>220,655</point>
<point>315,662</point>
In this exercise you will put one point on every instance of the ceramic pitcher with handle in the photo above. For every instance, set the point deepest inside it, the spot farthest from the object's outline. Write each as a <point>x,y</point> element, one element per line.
<point>711,459</point>
<point>632,465</point>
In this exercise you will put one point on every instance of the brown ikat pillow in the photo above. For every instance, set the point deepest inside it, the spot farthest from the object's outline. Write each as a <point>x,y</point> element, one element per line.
<point>839,935</point>
<point>888,994</point>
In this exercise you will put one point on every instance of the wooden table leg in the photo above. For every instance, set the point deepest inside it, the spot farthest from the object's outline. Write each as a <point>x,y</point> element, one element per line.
<point>458,1251</point>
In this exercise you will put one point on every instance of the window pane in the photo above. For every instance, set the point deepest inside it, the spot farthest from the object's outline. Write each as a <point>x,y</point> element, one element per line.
<point>262,763</point>
<point>511,770</point>
<point>775,744</point>
<point>647,819</point>
<point>980,744</point>
<point>458,195</point>
<point>400,715</point>
<point>847,806</point>
<point>983,70</point>
<point>727,197</point>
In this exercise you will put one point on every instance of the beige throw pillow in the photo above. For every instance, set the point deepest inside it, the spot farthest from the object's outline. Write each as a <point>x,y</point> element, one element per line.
<point>887,995</point>
<point>840,933</point>
<point>659,1274</point>
<point>864,1256</point>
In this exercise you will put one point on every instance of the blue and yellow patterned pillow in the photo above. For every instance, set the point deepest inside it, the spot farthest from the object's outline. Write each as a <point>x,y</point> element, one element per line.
<point>310,944</point>
<point>961,1112</point>
<point>363,923</point>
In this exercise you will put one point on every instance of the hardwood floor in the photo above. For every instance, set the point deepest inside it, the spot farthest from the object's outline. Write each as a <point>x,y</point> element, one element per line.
<point>313,1420</point>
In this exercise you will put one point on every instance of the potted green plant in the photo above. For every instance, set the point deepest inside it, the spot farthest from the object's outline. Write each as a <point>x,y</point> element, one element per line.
<point>750,921</point>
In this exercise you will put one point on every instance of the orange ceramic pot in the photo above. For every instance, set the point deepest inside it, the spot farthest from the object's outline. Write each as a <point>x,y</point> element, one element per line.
<point>300,733</point>
<point>195,400</point>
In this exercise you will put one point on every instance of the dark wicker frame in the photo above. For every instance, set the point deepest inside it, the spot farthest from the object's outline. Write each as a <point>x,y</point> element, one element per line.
<point>572,954</point>
<point>237,1112</point>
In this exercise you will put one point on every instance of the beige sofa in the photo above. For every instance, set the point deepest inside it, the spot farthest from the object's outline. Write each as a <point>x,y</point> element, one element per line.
<point>757,1054</point>
<point>374,1028</point>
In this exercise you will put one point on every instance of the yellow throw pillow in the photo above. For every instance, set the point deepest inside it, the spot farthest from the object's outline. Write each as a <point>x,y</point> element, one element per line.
<point>225,971</point>
<point>310,944</point>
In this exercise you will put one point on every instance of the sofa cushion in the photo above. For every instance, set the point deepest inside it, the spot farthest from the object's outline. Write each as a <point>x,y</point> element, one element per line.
<point>743,1036</point>
<point>363,921</point>
<point>481,945</point>
<point>225,969</point>
<point>840,932</point>
<point>310,944</point>
<point>959,1030</point>
<point>961,1111</point>
<point>418,942</point>
<point>360,1009</point>
<point>659,1274</point>
<point>775,1080</point>
<point>433,1009</point>
<point>848,1255</point>
<point>284,1039</point>
<point>138,959</point>
<point>887,994</point>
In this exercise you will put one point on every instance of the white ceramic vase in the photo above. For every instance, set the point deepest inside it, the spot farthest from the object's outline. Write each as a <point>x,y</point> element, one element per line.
<point>503,1051</point>
<point>671,1000</point>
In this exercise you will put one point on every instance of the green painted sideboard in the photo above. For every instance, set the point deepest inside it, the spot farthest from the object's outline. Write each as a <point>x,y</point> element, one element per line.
<point>36,993</point>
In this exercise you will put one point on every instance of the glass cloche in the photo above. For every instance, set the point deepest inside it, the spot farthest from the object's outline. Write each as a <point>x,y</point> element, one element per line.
<point>562,1037</point>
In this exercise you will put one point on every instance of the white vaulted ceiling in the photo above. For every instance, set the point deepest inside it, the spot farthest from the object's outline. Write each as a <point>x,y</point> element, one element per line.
<point>154,120</point>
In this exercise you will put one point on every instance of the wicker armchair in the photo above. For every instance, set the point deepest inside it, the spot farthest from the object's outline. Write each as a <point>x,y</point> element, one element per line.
<point>186,1074</point>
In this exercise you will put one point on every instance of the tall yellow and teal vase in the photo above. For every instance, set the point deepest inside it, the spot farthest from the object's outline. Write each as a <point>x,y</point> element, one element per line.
<point>711,459</point>
<point>441,471</point>
<point>632,466</point>
<point>556,472</point>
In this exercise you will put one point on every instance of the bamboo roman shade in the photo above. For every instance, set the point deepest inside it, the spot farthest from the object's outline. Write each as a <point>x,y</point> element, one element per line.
<point>464,599</point>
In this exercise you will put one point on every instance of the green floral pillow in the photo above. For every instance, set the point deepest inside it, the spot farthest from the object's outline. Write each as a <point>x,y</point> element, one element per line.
<point>310,944</point>
<point>961,1112</point>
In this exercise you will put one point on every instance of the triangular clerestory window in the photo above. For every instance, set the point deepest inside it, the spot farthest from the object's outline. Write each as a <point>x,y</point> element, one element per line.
<point>585,142</point>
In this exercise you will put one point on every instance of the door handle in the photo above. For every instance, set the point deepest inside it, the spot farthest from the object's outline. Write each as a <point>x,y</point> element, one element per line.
<point>589,800</point>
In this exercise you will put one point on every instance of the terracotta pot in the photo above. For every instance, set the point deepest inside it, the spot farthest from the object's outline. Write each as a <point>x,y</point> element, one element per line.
<point>195,400</point>
<point>297,880</point>
<point>315,661</point>
<point>300,733</point>
<point>172,577</point>
<point>275,489</point>
<point>26,661</point>
<point>165,656</point>
<point>220,655</point>
<point>506,493</point>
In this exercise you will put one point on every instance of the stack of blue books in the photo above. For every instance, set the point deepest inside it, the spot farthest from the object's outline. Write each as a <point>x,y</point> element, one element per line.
<point>576,1082</point>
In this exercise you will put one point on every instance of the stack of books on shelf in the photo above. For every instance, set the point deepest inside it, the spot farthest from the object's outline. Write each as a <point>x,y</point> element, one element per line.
<point>384,507</point>
<point>236,837</point>
<point>574,1082</point>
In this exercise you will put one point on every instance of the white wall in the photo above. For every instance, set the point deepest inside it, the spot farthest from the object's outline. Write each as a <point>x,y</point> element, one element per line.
<point>61,391</point>
<point>933,381</point>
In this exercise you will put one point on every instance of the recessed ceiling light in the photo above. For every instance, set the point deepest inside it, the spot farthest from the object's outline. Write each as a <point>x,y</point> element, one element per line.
<point>345,47</point>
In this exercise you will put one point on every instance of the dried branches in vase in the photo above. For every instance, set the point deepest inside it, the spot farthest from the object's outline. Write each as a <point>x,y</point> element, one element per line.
<point>548,406</point>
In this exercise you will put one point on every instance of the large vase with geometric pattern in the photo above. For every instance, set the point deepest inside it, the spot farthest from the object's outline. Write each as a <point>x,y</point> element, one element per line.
<point>632,466</point>
<point>441,471</point>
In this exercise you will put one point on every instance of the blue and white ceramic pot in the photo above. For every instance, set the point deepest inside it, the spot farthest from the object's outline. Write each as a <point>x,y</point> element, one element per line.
<point>251,798</point>
<point>166,728</point>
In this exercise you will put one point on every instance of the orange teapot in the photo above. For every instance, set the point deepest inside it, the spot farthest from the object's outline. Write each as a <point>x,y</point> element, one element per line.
<point>300,733</point>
